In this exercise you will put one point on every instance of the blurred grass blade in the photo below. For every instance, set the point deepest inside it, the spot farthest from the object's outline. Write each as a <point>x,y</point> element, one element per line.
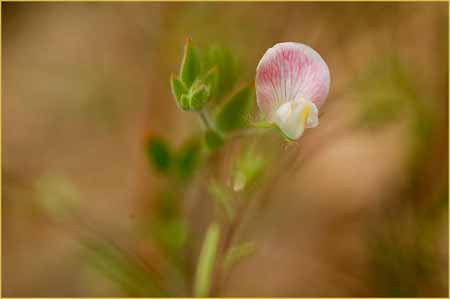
<point>238,252</point>
<point>121,269</point>
<point>190,66</point>
<point>386,89</point>
<point>206,261</point>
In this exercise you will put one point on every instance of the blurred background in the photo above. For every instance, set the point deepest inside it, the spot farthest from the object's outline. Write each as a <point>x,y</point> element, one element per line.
<point>362,210</point>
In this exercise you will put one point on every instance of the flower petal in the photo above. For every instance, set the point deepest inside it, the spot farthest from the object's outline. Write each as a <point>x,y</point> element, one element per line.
<point>289,71</point>
<point>293,117</point>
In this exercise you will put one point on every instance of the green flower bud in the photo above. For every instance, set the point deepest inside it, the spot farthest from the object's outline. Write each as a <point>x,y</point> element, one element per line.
<point>199,97</point>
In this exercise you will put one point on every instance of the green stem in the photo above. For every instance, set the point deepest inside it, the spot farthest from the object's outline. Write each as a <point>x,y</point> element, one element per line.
<point>206,262</point>
<point>219,277</point>
<point>205,119</point>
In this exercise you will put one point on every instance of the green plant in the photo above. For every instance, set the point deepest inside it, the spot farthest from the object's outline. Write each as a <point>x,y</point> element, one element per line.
<point>207,84</point>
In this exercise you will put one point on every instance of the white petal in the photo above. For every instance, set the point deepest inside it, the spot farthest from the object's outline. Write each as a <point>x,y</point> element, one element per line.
<point>294,116</point>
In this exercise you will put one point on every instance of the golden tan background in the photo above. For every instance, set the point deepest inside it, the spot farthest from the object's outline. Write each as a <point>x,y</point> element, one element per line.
<point>85,83</point>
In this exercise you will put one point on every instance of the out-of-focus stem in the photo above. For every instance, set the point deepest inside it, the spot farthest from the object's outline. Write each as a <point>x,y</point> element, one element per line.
<point>205,119</point>
<point>249,132</point>
<point>226,245</point>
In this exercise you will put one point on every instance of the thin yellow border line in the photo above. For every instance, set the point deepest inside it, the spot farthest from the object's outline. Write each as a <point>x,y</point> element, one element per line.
<point>341,1</point>
<point>1,155</point>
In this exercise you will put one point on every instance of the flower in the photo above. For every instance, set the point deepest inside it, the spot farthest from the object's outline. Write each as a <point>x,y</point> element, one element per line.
<point>292,84</point>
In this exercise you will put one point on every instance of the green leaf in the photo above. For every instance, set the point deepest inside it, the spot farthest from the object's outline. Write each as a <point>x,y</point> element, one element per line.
<point>178,90</point>
<point>211,79</point>
<point>158,153</point>
<point>184,102</point>
<point>235,113</point>
<point>188,158</point>
<point>213,140</point>
<point>190,66</point>
<point>237,253</point>
<point>221,57</point>
<point>205,266</point>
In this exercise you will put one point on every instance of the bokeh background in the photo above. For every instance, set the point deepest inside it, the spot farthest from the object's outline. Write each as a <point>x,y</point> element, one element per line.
<point>362,211</point>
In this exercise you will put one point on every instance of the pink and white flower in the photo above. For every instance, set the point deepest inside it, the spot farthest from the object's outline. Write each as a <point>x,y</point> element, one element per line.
<point>292,84</point>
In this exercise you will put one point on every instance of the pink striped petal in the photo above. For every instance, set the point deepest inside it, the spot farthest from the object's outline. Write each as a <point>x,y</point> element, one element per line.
<point>290,71</point>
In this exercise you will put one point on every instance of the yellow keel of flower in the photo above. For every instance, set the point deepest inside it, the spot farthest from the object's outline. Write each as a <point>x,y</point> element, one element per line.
<point>304,115</point>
